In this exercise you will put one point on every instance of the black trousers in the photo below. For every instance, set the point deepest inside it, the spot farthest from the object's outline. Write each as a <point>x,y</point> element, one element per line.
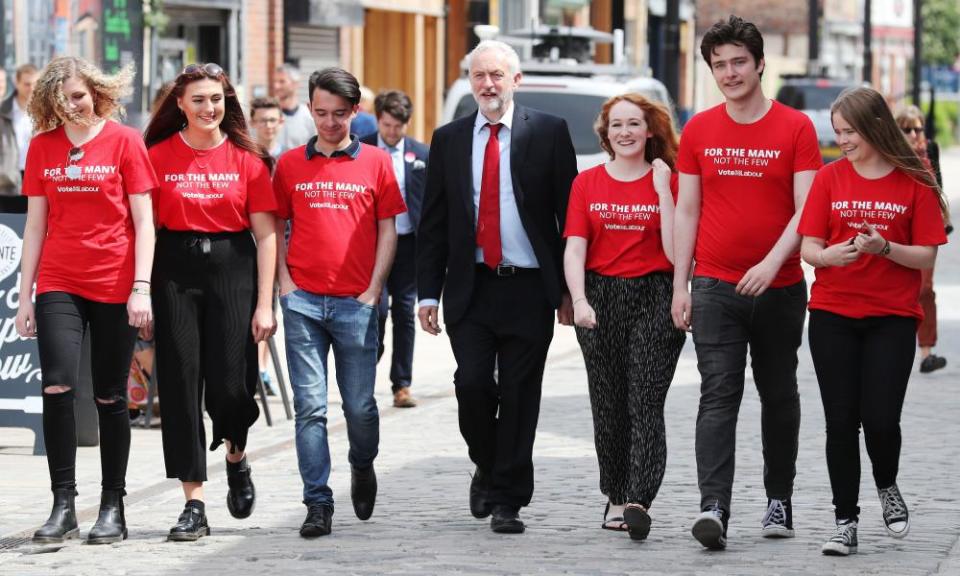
<point>62,320</point>
<point>507,328</point>
<point>862,365</point>
<point>631,357</point>
<point>205,292</point>
<point>400,298</point>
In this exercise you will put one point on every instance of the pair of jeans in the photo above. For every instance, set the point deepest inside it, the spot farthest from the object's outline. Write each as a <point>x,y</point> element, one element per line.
<point>725,324</point>
<point>313,324</point>
<point>863,366</point>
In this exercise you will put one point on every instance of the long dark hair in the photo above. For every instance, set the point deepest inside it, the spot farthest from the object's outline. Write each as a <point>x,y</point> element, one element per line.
<point>867,112</point>
<point>169,119</point>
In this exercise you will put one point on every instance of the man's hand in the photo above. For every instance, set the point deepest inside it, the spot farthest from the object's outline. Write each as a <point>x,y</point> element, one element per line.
<point>565,311</point>
<point>757,279</point>
<point>682,310</point>
<point>287,286</point>
<point>429,319</point>
<point>369,297</point>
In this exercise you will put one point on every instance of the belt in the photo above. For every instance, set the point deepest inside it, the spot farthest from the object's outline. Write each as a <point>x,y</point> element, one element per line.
<point>505,270</point>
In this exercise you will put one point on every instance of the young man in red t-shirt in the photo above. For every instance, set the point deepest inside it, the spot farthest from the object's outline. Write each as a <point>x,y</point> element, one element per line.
<point>745,168</point>
<point>341,197</point>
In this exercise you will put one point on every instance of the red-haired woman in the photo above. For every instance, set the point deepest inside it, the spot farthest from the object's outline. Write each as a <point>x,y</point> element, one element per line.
<point>619,268</point>
<point>213,282</point>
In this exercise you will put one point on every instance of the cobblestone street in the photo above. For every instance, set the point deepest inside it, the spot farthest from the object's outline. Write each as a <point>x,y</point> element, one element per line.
<point>422,524</point>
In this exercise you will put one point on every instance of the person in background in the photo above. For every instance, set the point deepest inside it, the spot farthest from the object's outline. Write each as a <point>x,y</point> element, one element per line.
<point>365,123</point>
<point>9,156</point>
<point>213,277</point>
<point>298,126</point>
<point>15,109</point>
<point>622,309</point>
<point>25,78</point>
<point>266,119</point>
<point>88,242</point>
<point>409,159</point>
<point>910,120</point>
<point>871,222</point>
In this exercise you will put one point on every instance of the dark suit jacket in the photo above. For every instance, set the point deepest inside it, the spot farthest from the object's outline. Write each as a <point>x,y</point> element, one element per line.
<point>415,176</point>
<point>542,165</point>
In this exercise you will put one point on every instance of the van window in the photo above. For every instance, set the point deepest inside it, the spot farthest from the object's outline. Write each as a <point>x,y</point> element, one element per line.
<point>579,110</point>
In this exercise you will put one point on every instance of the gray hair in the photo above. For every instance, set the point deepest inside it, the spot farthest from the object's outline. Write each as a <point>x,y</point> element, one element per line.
<point>504,49</point>
<point>290,70</point>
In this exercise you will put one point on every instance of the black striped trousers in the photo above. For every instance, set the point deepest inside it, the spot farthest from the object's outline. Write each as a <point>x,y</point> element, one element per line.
<point>630,357</point>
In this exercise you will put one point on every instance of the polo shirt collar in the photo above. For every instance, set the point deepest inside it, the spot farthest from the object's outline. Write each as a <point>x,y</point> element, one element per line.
<point>352,150</point>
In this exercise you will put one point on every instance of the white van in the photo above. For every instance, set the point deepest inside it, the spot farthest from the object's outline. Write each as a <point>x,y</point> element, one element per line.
<point>577,99</point>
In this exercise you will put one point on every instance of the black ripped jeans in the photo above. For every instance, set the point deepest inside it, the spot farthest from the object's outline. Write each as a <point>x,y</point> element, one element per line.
<point>62,321</point>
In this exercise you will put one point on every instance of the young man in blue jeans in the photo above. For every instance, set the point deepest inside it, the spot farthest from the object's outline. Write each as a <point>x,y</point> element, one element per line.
<point>341,197</point>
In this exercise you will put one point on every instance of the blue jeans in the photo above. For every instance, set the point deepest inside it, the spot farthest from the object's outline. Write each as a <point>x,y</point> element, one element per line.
<point>313,323</point>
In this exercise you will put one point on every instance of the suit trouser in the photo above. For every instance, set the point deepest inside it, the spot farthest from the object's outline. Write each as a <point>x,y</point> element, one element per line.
<point>508,328</point>
<point>724,325</point>
<point>399,299</point>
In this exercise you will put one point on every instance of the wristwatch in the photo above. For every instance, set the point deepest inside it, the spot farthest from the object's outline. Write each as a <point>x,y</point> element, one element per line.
<point>886,248</point>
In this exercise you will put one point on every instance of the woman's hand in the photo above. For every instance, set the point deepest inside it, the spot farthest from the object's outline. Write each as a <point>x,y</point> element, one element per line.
<point>264,324</point>
<point>26,320</point>
<point>661,177</point>
<point>839,254</point>
<point>869,240</point>
<point>139,310</point>
<point>583,314</point>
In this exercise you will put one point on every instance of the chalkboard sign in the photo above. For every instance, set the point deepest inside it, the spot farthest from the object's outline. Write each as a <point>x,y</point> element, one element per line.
<point>122,33</point>
<point>21,404</point>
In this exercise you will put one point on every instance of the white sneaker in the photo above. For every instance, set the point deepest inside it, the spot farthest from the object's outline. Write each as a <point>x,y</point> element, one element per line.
<point>895,515</point>
<point>710,527</point>
<point>844,539</point>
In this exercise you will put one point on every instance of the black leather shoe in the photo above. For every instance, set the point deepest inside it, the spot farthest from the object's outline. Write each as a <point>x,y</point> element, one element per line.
<point>190,526</point>
<point>242,495</point>
<point>506,520</point>
<point>479,485</point>
<point>62,524</point>
<point>318,520</point>
<point>363,491</point>
<point>111,526</point>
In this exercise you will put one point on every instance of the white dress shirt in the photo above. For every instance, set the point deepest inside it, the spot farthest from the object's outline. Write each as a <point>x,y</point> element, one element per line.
<point>404,225</point>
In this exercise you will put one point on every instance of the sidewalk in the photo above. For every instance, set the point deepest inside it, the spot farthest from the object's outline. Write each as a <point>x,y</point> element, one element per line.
<point>422,524</point>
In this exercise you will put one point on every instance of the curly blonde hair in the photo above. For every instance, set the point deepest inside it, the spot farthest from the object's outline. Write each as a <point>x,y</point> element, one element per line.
<point>48,105</point>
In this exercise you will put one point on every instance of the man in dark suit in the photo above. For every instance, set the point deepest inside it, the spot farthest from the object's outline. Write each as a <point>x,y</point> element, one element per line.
<point>489,241</point>
<point>393,109</point>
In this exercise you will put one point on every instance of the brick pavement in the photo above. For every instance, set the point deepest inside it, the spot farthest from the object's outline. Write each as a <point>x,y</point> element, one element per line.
<point>422,525</point>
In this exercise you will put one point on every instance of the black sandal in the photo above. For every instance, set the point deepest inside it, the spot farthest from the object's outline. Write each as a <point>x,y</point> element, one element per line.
<point>637,520</point>
<point>616,523</point>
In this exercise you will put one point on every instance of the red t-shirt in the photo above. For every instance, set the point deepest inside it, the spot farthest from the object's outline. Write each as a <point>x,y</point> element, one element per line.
<point>902,211</point>
<point>620,221</point>
<point>212,190</point>
<point>746,186</point>
<point>335,205</point>
<point>89,248</point>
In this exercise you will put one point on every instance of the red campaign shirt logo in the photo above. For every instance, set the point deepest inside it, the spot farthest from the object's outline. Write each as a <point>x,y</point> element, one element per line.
<point>880,214</point>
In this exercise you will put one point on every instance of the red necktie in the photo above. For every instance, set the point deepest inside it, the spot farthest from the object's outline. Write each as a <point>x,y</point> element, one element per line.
<point>488,221</point>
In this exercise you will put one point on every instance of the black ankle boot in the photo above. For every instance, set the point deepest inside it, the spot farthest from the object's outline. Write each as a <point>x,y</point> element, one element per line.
<point>242,496</point>
<point>62,524</point>
<point>110,526</point>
